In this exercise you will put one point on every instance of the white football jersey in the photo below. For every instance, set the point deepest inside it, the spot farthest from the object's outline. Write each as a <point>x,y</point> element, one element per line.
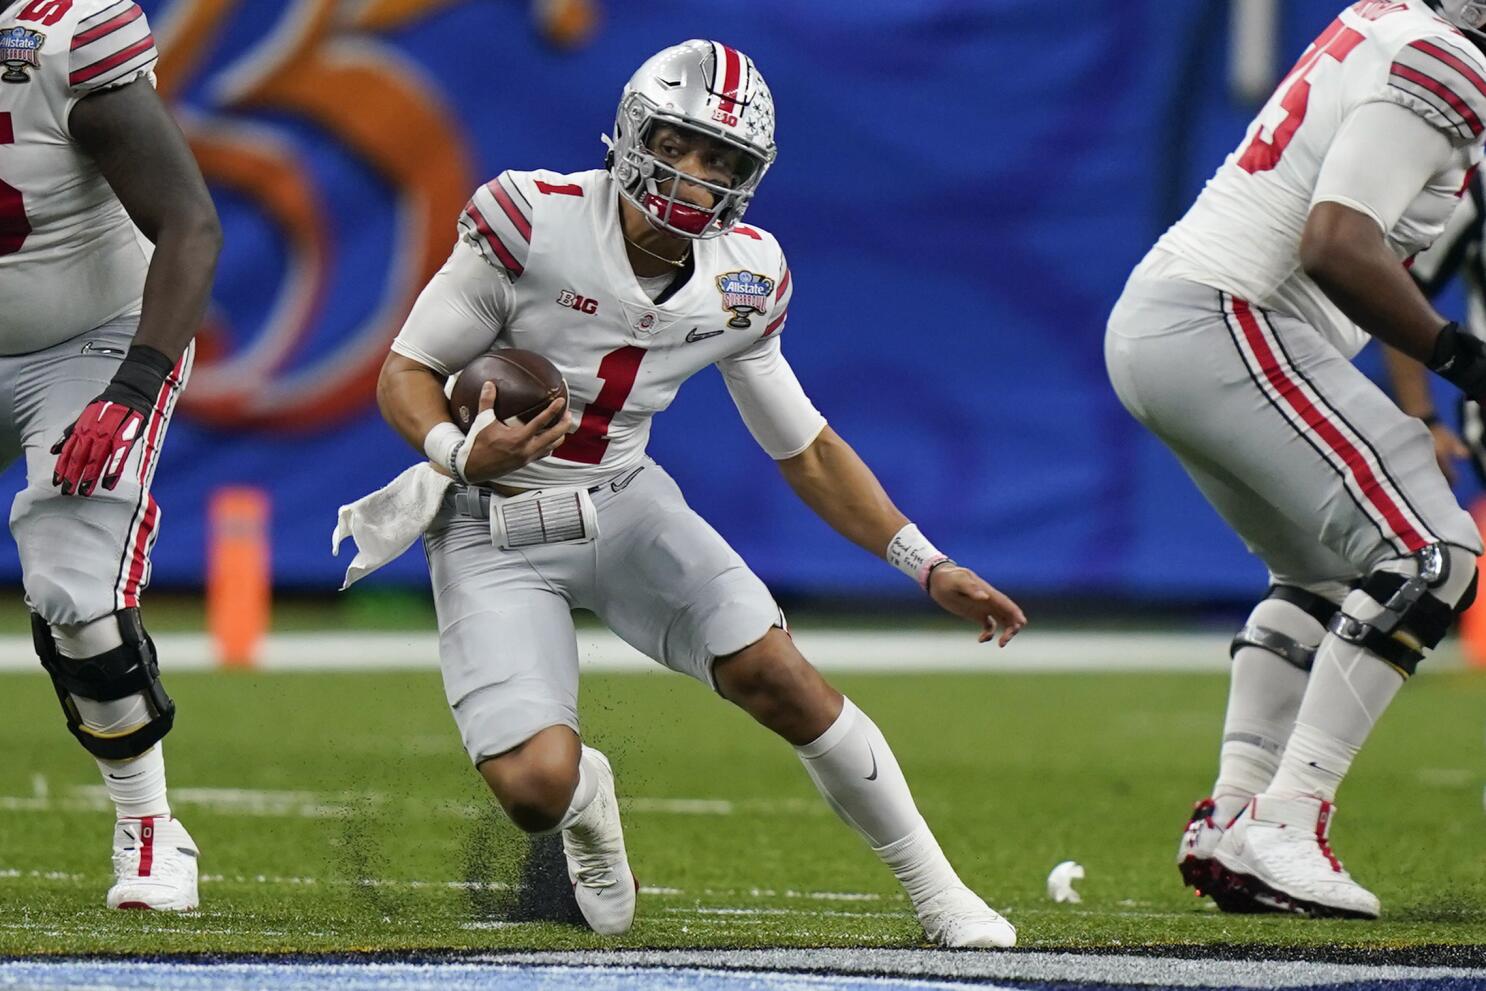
<point>1243,234</point>
<point>576,300</point>
<point>70,258</point>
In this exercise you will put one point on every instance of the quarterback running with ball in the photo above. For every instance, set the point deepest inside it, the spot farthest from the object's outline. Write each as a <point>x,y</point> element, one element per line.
<point>630,280</point>
<point>108,241</point>
<point>1232,343</point>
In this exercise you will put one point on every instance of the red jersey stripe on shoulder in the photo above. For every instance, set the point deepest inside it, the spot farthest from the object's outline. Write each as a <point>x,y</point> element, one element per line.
<point>783,285</point>
<point>113,61</point>
<point>129,16</point>
<point>778,322</point>
<point>1443,92</point>
<point>518,219</point>
<point>491,238</point>
<point>1454,61</point>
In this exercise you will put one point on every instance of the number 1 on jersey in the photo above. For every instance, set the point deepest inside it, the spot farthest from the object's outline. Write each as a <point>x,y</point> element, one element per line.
<point>14,227</point>
<point>590,441</point>
<point>1336,42</point>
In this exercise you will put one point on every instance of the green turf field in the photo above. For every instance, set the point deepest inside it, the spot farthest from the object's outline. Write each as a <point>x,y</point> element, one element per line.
<point>336,812</point>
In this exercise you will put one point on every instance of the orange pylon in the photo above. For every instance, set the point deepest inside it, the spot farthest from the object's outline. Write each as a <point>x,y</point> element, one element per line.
<point>238,586</point>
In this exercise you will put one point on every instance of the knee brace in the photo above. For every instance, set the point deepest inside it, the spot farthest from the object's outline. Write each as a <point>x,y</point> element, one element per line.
<point>1407,605</point>
<point>129,669</point>
<point>1275,627</point>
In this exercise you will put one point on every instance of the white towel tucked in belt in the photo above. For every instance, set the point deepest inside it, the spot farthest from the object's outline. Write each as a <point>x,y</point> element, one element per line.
<point>385,523</point>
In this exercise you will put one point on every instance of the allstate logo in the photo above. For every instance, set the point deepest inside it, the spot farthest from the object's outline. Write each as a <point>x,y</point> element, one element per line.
<point>20,50</point>
<point>337,167</point>
<point>743,295</point>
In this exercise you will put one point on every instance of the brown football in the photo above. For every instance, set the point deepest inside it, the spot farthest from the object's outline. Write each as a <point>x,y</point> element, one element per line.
<point>525,383</point>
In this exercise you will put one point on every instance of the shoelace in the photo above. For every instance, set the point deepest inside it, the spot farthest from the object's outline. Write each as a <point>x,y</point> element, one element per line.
<point>594,874</point>
<point>1325,845</point>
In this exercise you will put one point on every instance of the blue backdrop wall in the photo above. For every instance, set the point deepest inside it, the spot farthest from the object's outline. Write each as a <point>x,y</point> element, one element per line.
<point>962,188</point>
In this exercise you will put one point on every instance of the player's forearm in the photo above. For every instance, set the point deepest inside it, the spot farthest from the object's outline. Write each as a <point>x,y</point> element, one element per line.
<point>411,398</point>
<point>1344,252</point>
<point>832,480</point>
<point>179,283</point>
<point>1410,384</point>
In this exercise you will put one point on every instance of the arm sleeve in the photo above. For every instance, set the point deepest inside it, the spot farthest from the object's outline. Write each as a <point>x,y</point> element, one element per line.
<point>770,399</point>
<point>1381,159</point>
<point>110,48</point>
<point>458,315</point>
<point>1434,267</point>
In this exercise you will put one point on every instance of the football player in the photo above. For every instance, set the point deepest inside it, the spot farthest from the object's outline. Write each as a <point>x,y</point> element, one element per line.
<point>631,279</point>
<point>108,241</point>
<point>1232,344</point>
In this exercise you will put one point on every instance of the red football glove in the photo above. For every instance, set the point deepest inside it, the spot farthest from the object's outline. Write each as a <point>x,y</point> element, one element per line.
<point>97,446</point>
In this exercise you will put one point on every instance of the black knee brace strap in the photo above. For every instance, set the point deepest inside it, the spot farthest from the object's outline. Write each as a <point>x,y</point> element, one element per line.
<point>1283,646</point>
<point>1409,605</point>
<point>1317,607</point>
<point>129,669</point>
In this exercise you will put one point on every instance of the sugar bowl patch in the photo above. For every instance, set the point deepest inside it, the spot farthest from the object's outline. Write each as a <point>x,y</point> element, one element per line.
<point>743,295</point>
<point>20,51</point>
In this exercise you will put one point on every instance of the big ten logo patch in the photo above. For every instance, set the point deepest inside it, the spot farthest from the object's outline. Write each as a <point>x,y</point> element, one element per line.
<point>573,301</point>
<point>326,144</point>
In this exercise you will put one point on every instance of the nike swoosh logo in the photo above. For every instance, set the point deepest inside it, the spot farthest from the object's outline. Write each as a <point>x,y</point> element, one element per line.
<point>693,336</point>
<point>124,777</point>
<point>873,775</point>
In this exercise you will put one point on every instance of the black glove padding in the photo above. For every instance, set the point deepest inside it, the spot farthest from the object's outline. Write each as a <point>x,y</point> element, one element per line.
<point>1460,358</point>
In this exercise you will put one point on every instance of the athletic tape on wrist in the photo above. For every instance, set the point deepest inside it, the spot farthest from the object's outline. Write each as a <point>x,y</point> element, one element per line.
<point>443,445</point>
<point>911,553</point>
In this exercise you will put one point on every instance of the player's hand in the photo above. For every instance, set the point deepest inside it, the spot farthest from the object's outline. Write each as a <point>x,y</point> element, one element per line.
<point>494,449</point>
<point>1473,433</point>
<point>1448,449</point>
<point>964,593</point>
<point>96,446</point>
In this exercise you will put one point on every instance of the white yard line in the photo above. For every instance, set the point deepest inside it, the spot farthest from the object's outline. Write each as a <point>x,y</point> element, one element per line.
<point>836,650</point>
<point>269,803</point>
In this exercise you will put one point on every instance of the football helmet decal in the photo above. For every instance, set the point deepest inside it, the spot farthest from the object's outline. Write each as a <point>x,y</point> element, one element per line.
<point>704,87</point>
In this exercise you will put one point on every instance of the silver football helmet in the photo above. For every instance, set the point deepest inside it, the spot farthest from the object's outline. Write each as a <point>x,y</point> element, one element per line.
<point>701,86</point>
<point>1469,15</point>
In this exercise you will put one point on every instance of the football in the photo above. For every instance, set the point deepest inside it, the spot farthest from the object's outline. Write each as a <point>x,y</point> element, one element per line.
<point>525,383</point>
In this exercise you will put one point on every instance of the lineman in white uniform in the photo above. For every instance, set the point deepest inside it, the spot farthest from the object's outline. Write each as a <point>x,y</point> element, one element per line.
<point>1231,343</point>
<point>96,319</point>
<point>630,280</point>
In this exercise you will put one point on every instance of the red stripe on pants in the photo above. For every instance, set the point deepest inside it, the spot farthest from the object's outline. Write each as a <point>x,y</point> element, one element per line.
<point>1289,390</point>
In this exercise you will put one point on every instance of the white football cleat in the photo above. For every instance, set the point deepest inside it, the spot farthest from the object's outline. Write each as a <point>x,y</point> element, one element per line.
<point>1277,850</point>
<point>957,917</point>
<point>597,864</point>
<point>154,865</point>
<point>1194,855</point>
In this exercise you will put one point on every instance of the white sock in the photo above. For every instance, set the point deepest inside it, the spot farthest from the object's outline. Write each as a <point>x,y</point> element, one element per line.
<point>1264,694</point>
<point>583,794</point>
<point>856,773</point>
<point>137,786</point>
<point>1349,690</point>
<point>919,864</point>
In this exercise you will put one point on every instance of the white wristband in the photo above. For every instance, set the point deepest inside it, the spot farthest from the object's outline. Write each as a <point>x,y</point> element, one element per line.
<point>443,445</point>
<point>911,553</point>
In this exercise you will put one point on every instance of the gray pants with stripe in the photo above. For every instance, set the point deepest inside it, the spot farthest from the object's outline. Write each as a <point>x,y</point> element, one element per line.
<point>1307,460</point>
<point>658,575</point>
<point>81,558</point>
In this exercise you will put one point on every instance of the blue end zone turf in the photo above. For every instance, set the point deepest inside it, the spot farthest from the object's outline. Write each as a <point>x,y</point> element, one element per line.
<point>108,975</point>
